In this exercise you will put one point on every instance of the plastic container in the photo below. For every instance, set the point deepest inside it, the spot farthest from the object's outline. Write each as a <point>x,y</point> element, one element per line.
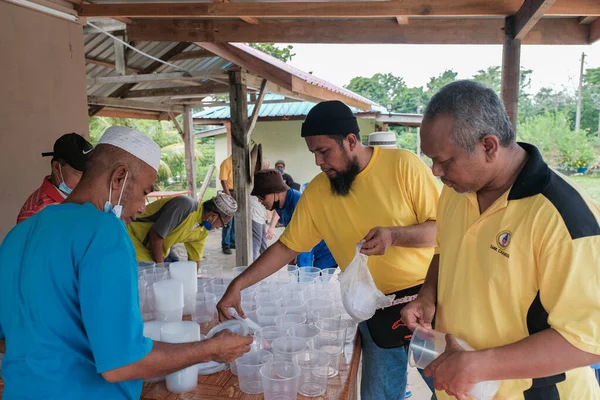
<point>266,315</point>
<point>286,321</point>
<point>314,368</point>
<point>186,379</point>
<point>306,332</point>
<point>248,370</point>
<point>168,300</point>
<point>185,272</point>
<point>295,293</point>
<point>216,291</point>
<point>285,347</point>
<point>313,304</point>
<point>266,288</point>
<point>308,274</point>
<point>352,327</point>
<point>426,345</point>
<point>333,345</point>
<point>291,306</point>
<point>267,299</point>
<point>235,326</point>
<point>280,380</point>
<point>211,271</point>
<point>327,274</point>
<point>332,316</point>
<point>265,337</point>
<point>155,274</point>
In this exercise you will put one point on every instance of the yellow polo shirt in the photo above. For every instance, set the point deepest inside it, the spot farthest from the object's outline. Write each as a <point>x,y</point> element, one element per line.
<point>528,263</point>
<point>226,172</point>
<point>179,219</point>
<point>395,189</point>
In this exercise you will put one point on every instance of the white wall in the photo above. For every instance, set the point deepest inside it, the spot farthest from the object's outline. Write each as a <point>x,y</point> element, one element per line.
<point>42,96</point>
<point>281,140</point>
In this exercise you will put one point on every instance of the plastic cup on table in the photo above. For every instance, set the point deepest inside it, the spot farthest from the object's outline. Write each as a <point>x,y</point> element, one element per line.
<point>142,287</point>
<point>248,370</point>
<point>280,380</point>
<point>294,292</point>
<point>156,274</point>
<point>306,332</point>
<point>202,283</point>
<point>220,284</point>
<point>331,317</point>
<point>267,288</point>
<point>285,347</point>
<point>314,368</point>
<point>217,292</point>
<point>237,271</point>
<point>352,327</point>
<point>291,306</point>
<point>211,271</point>
<point>267,299</point>
<point>186,379</point>
<point>338,329</point>
<point>313,304</point>
<point>205,311</point>
<point>333,345</point>
<point>286,321</point>
<point>327,274</point>
<point>185,272</point>
<point>308,274</point>
<point>168,300</point>
<point>266,315</point>
<point>265,337</point>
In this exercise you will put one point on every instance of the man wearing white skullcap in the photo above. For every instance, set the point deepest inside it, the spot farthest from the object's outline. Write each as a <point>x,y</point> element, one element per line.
<point>179,219</point>
<point>68,277</point>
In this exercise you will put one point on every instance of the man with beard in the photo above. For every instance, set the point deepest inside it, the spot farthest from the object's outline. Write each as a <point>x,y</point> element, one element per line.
<point>273,193</point>
<point>386,198</point>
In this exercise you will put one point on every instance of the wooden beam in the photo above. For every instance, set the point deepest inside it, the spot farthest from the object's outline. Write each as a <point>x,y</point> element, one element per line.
<point>302,86</point>
<point>108,64</point>
<point>132,104</point>
<point>358,9</point>
<point>241,165</point>
<point>176,123</point>
<point>402,19</point>
<point>192,55</point>
<point>122,90</point>
<point>120,62</point>
<point>140,78</point>
<point>257,105</point>
<point>250,20</point>
<point>594,34</point>
<point>120,113</point>
<point>511,71</point>
<point>587,20</point>
<point>528,15</point>
<point>189,142</point>
<point>424,31</point>
<point>206,89</point>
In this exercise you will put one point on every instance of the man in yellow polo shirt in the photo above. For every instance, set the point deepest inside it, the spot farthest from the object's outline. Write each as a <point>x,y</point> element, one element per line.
<point>179,219</point>
<point>226,178</point>
<point>386,197</point>
<point>516,276</point>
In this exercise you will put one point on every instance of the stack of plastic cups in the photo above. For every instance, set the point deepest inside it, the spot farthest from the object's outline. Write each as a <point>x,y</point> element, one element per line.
<point>306,332</point>
<point>280,380</point>
<point>285,347</point>
<point>205,311</point>
<point>211,271</point>
<point>181,332</point>
<point>287,321</point>
<point>168,300</point>
<point>314,367</point>
<point>331,342</point>
<point>248,370</point>
<point>185,272</point>
<point>266,336</point>
<point>152,331</point>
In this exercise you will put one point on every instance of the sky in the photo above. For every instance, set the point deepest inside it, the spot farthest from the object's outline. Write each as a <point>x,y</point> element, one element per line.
<point>553,66</point>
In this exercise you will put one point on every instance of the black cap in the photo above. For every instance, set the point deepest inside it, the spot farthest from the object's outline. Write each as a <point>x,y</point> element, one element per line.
<point>73,149</point>
<point>330,118</point>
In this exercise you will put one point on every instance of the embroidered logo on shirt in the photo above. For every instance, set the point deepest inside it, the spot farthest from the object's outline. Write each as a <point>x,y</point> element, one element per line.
<point>502,241</point>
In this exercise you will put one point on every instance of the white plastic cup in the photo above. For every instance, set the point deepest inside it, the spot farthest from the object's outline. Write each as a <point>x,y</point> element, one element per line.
<point>295,292</point>
<point>265,337</point>
<point>186,379</point>
<point>308,274</point>
<point>333,345</point>
<point>248,370</point>
<point>211,271</point>
<point>155,274</point>
<point>313,304</point>
<point>268,287</point>
<point>280,380</point>
<point>168,300</point>
<point>285,347</point>
<point>314,367</point>
<point>142,285</point>
<point>266,315</point>
<point>327,274</point>
<point>331,317</point>
<point>306,332</point>
<point>291,306</point>
<point>216,291</point>
<point>267,299</point>
<point>205,311</point>
<point>286,321</point>
<point>185,272</point>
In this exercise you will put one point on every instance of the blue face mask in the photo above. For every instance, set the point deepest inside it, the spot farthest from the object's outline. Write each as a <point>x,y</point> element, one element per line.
<point>281,170</point>
<point>207,225</point>
<point>63,186</point>
<point>118,209</point>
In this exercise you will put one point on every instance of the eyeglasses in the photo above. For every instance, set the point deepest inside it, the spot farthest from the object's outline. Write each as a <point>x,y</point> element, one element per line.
<point>261,198</point>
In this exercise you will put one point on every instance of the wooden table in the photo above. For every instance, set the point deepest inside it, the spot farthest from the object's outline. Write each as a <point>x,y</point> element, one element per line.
<point>224,385</point>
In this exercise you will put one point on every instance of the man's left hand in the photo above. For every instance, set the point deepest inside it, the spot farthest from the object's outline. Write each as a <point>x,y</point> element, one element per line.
<point>377,241</point>
<point>454,371</point>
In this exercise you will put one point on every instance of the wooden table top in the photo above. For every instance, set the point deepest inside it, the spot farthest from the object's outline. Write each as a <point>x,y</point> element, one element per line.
<point>224,385</point>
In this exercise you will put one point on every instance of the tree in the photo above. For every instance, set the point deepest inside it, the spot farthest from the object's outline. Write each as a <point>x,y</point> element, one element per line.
<point>437,82</point>
<point>592,82</point>
<point>281,53</point>
<point>388,89</point>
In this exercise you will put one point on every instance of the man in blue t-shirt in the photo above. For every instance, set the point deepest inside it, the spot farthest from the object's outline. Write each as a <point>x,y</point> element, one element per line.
<point>68,277</point>
<point>276,195</point>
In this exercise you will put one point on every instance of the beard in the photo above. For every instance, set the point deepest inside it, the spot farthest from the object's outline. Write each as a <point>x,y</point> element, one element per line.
<point>342,182</point>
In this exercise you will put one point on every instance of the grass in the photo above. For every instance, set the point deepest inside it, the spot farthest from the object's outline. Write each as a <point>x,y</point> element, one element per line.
<point>591,184</point>
<point>210,193</point>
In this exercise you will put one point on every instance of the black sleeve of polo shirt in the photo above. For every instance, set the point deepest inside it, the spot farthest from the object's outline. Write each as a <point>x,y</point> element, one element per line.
<point>173,213</point>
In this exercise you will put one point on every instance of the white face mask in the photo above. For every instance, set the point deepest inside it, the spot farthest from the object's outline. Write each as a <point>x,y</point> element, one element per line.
<point>118,209</point>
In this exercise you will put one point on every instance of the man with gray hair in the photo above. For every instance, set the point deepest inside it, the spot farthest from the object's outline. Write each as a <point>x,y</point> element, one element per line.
<point>70,308</point>
<point>515,273</point>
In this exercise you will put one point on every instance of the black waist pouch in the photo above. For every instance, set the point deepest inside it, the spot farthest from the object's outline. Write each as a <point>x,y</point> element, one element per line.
<point>386,326</point>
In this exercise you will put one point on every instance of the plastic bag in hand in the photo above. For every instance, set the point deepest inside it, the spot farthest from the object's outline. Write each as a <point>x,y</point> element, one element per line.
<point>360,296</point>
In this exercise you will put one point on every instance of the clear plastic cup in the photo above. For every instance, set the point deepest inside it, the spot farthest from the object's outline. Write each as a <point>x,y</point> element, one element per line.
<point>266,315</point>
<point>266,288</point>
<point>265,337</point>
<point>306,332</point>
<point>294,292</point>
<point>202,283</point>
<point>332,316</point>
<point>205,311</point>
<point>267,299</point>
<point>248,303</point>
<point>333,345</point>
<point>211,271</point>
<point>280,380</point>
<point>314,367</point>
<point>308,274</point>
<point>291,306</point>
<point>237,271</point>
<point>186,379</point>
<point>248,370</point>
<point>327,274</point>
<point>313,304</point>
<point>156,274</point>
<point>286,321</point>
<point>352,327</point>
<point>216,291</point>
<point>285,347</point>
<point>146,264</point>
<point>142,287</point>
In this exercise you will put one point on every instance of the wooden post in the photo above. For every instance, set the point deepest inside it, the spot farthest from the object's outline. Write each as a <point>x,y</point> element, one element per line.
<point>238,103</point>
<point>511,71</point>
<point>228,135</point>
<point>190,150</point>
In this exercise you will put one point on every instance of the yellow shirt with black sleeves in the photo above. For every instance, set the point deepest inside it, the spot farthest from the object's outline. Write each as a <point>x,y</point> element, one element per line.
<point>226,172</point>
<point>176,220</point>
<point>528,263</point>
<point>395,189</point>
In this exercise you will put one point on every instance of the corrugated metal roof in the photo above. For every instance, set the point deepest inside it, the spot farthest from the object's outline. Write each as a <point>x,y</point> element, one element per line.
<point>287,109</point>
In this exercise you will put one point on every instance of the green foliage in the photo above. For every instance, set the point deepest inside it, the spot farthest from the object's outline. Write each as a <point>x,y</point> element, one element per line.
<point>281,53</point>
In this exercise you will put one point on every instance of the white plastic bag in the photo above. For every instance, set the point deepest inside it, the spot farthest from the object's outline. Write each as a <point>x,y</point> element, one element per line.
<point>360,296</point>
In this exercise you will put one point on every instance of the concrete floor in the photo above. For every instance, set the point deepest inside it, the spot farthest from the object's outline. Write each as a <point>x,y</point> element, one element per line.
<point>213,254</point>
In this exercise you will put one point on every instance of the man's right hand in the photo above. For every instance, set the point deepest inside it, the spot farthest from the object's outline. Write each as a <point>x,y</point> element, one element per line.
<point>270,233</point>
<point>228,346</point>
<point>419,312</point>
<point>231,298</point>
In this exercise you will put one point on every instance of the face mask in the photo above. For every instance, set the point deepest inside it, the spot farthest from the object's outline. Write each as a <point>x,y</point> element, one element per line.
<point>281,170</point>
<point>276,205</point>
<point>207,225</point>
<point>63,186</point>
<point>118,209</point>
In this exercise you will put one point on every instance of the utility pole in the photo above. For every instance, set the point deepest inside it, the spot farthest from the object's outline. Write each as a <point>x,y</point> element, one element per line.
<point>579,95</point>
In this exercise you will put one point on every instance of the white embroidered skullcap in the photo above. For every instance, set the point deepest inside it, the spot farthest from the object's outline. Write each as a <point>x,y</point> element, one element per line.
<point>225,203</point>
<point>135,143</point>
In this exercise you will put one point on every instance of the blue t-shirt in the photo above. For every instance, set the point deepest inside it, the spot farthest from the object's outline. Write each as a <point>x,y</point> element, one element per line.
<point>319,256</point>
<point>69,308</point>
